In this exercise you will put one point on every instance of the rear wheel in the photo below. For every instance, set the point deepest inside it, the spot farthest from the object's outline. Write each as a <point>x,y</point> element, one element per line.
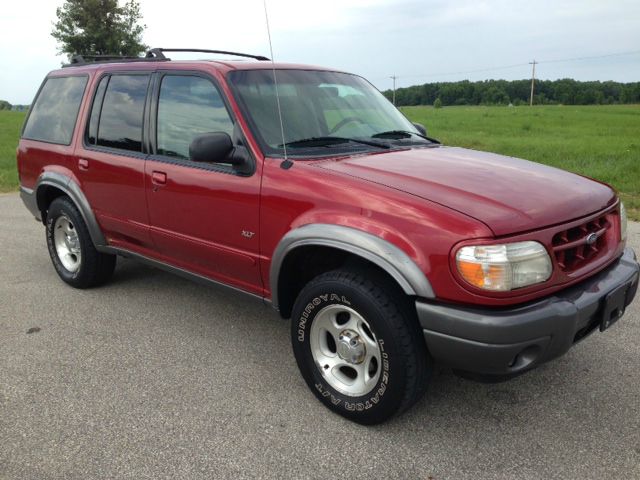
<point>358,346</point>
<point>71,249</point>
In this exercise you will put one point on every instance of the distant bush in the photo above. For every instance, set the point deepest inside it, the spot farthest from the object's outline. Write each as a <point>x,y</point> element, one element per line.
<point>437,103</point>
<point>4,105</point>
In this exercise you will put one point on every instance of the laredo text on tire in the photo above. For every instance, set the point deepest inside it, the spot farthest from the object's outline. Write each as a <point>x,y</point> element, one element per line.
<point>358,345</point>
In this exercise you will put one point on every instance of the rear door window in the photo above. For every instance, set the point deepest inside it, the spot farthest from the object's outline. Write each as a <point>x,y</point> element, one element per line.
<point>121,115</point>
<point>54,113</point>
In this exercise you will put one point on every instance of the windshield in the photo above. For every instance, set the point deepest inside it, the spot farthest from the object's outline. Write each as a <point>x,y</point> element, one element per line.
<point>323,113</point>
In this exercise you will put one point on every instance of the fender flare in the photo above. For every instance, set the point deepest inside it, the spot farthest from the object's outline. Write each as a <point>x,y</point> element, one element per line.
<point>73,191</point>
<point>370,247</point>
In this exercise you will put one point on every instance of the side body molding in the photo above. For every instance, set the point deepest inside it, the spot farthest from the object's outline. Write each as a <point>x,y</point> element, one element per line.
<point>72,189</point>
<point>374,249</point>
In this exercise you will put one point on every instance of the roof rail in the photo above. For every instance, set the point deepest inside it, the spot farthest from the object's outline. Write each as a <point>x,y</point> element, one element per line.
<point>153,55</point>
<point>158,52</point>
<point>78,60</point>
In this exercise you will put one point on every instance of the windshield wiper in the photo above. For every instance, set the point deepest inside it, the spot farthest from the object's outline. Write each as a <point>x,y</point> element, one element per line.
<point>328,141</point>
<point>400,134</point>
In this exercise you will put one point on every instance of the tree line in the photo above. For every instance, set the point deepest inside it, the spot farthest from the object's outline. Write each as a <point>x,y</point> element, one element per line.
<point>4,105</point>
<point>503,92</point>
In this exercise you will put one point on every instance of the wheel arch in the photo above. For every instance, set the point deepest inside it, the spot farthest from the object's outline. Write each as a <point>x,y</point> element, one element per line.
<point>345,243</point>
<point>51,185</point>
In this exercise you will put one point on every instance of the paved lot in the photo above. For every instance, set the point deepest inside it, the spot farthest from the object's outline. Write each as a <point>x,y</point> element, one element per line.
<point>152,376</point>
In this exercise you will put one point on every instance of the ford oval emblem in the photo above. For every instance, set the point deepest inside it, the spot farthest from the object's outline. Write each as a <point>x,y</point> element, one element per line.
<point>591,238</point>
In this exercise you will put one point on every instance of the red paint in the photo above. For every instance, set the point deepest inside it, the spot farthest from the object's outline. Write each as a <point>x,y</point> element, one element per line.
<point>505,193</point>
<point>197,218</point>
<point>426,201</point>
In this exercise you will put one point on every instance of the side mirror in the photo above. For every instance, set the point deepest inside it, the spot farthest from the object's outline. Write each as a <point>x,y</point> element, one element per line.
<point>421,129</point>
<point>211,147</point>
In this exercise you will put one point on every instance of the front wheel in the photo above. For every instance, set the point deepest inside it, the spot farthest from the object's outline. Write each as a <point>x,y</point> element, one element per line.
<point>71,249</point>
<point>358,346</point>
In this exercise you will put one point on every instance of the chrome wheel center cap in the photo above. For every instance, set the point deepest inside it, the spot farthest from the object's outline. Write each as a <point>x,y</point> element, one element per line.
<point>350,347</point>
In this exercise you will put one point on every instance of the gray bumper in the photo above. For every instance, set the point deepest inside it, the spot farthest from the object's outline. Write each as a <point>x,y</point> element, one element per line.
<point>510,341</point>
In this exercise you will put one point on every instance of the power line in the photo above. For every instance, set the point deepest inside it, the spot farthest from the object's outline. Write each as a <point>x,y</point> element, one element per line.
<point>467,71</point>
<point>505,67</point>
<point>591,57</point>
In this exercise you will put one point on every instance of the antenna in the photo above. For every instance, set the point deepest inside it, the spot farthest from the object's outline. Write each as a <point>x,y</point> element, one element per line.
<point>275,81</point>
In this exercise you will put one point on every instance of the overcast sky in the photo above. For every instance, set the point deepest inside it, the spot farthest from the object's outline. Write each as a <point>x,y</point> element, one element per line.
<point>419,41</point>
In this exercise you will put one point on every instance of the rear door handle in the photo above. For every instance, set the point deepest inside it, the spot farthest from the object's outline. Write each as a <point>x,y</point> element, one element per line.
<point>158,178</point>
<point>83,164</point>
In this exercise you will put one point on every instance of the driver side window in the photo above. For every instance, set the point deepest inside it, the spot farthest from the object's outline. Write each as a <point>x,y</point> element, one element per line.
<point>188,106</point>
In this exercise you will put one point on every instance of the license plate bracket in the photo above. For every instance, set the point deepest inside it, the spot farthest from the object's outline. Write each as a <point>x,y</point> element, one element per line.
<point>614,305</point>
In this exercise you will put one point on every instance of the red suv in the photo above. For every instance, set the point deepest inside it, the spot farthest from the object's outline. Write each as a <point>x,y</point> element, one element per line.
<point>306,188</point>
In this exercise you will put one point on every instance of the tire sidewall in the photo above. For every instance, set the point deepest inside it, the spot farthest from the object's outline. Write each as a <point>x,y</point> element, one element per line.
<point>385,398</point>
<point>59,208</point>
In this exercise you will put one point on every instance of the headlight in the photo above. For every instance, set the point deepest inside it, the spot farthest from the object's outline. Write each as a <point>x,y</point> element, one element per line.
<point>504,267</point>
<point>623,222</point>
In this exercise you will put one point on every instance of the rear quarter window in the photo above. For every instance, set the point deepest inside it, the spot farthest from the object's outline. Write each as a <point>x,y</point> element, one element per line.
<point>54,113</point>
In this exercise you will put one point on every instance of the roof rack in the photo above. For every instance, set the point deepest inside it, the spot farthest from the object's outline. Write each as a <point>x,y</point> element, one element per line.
<point>78,60</point>
<point>153,55</point>
<point>159,52</point>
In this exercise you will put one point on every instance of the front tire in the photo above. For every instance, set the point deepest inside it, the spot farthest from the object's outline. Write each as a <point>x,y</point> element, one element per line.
<point>71,249</point>
<point>358,346</point>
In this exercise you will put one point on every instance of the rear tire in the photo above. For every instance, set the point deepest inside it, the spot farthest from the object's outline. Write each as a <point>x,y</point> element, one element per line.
<point>358,346</point>
<point>71,249</point>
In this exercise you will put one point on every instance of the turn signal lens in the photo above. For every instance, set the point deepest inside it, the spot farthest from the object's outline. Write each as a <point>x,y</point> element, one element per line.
<point>505,267</point>
<point>623,222</point>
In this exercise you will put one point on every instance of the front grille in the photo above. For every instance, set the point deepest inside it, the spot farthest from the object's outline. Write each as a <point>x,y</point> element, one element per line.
<point>576,247</point>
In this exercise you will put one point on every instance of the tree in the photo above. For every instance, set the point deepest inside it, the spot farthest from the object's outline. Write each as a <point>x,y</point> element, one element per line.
<point>437,103</point>
<point>4,105</point>
<point>99,27</point>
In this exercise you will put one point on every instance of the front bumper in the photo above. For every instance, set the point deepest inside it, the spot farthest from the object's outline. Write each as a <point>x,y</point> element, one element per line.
<point>510,341</point>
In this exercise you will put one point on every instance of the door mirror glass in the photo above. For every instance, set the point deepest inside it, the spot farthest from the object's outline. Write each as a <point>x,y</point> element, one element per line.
<point>211,147</point>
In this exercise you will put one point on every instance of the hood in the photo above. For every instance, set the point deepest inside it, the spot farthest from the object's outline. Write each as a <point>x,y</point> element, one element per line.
<point>507,194</point>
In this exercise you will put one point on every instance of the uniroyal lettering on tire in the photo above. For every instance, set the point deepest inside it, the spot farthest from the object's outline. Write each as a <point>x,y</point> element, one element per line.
<point>357,348</point>
<point>312,305</point>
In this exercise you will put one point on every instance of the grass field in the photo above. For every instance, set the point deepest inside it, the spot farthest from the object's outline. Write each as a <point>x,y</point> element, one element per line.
<point>602,142</point>
<point>598,141</point>
<point>10,124</point>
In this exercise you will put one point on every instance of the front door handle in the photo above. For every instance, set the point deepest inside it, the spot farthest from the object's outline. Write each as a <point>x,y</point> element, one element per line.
<point>83,164</point>
<point>159,178</point>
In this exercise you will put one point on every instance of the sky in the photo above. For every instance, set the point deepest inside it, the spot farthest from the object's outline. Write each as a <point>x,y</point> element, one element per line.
<point>417,41</point>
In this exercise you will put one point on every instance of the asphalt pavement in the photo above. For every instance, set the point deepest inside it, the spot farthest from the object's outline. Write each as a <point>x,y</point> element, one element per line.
<point>152,376</point>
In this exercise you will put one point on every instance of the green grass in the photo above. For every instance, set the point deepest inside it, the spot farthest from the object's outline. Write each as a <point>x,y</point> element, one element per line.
<point>10,124</point>
<point>602,142</point>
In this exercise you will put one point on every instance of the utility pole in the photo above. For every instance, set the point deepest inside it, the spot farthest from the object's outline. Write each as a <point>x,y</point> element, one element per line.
<point>533,80</point>
<point>394,88</point>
